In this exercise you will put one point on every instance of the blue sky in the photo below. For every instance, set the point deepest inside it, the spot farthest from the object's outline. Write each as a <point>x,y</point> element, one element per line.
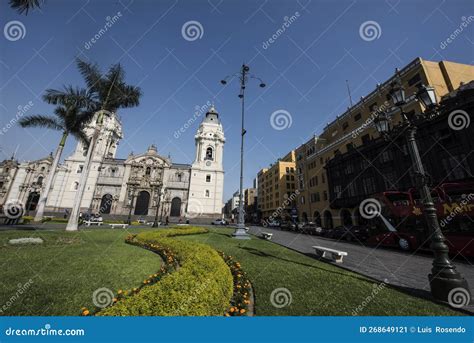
<point>305,67</point>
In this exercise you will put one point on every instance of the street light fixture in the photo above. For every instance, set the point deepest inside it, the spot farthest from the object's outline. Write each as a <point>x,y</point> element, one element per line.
<point>443,278</point>
<point>240,232</point>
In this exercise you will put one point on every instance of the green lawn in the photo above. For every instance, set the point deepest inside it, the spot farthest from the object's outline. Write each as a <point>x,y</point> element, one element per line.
<point>317,288</point>
<point>67,268</point>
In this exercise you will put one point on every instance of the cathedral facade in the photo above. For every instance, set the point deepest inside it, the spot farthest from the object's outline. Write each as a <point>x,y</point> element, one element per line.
<point>142,185</point>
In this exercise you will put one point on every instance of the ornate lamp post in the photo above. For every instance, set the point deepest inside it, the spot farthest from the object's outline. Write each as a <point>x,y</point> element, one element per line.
<point>158,197</point>
<point>444,279</point>
<point>131,195</point>
<point>243,74</point>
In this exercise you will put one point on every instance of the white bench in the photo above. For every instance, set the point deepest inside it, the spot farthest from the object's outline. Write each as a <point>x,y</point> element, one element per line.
<point>113,226</point>
<point>91,222</point>
<point>330,254</point>
<point>267,235</point>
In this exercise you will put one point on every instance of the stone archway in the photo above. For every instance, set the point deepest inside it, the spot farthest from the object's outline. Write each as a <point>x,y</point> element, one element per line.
<point>317,219</point>
<point>32,201</point>
<point>106,204</point>
<point>143,201</point>
<point>346,218</point>
<point>175,207</point>
<point>328,223</point>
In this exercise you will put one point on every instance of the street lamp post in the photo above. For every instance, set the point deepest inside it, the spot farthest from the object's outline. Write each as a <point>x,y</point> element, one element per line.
<point>158,201</point>
<point>444,279</point>
<point>243,74</point>
<point>131,194</point>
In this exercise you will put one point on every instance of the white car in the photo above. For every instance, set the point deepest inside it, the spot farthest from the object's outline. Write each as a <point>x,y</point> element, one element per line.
<point>220,222</point>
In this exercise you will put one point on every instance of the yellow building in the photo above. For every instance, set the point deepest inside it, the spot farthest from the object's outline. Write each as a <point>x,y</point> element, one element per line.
<point>354,128</point>
<point>277,188</point>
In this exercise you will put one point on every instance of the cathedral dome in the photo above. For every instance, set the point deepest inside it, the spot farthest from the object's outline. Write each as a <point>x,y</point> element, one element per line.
<point>212,116</point>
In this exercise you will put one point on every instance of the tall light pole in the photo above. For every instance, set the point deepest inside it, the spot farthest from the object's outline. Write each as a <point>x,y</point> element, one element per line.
<point>444,279</point>
<point>243,74</point>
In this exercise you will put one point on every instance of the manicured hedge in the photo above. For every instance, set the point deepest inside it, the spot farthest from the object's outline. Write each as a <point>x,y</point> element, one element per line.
<point>202,285</point>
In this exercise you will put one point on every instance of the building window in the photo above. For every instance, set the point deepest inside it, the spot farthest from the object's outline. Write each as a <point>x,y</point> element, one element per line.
<point>207,193</point>
<point>39,182</point>
<point>209,154</point>
<point>349,146</point>
<point>79,169</point>
<point>358,117</point>
<point>148,171</point>
<point>302,200</point>
<point>345,125</point>
<point>75,186</point>
<point>323,178</point>
<point>325,195</point>
<point>414,80</point>
<point>208,178</point>
<point>365,139</point>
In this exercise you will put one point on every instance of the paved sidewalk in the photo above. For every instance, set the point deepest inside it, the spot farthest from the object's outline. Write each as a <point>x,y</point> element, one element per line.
<point>394,267</point>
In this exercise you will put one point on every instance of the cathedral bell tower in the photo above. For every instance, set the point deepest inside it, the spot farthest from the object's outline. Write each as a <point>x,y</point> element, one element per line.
<point>207,172</point>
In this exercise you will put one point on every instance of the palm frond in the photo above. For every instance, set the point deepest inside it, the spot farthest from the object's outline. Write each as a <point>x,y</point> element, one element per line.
<point>82,137</point>
<point>41,121</point>
<point>23,6</point>
<point>91,74</point>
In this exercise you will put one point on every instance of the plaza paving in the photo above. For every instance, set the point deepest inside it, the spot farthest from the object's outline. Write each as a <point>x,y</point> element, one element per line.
<point>402,269</point>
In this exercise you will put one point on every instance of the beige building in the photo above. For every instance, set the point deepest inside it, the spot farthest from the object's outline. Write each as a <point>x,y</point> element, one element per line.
<point>354,128</point>
<point>276,185</point>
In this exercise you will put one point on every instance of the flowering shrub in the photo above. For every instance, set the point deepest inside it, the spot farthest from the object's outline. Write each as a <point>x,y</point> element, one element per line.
<point>240,302</point>
<point>201,284</point>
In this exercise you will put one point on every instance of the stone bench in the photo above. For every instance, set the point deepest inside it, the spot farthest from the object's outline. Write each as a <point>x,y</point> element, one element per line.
<point>330,254</point>
<point>267,235</point>
<point>91,222</point>
<point>123,226</point>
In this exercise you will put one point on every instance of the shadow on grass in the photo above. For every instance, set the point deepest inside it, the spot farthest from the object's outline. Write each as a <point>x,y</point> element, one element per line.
<point>260,253</point>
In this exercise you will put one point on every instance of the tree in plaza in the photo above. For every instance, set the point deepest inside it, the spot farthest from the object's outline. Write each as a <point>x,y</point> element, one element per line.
<point>23,6</point>
<point>110,92</point>
<point>72,114</point>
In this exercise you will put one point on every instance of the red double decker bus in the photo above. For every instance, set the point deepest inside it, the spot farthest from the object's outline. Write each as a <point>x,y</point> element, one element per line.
<point>401,222</point>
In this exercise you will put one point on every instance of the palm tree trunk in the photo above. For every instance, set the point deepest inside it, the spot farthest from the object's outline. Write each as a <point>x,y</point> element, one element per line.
<point>49,181</point>
<point>72,224</point>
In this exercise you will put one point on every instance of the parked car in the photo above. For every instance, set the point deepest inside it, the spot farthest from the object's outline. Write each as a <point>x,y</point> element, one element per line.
<point>288,226</point>
<point>402,240</point>
<point>350,233</point>
<point>273,223</point>
<point>220,221</point>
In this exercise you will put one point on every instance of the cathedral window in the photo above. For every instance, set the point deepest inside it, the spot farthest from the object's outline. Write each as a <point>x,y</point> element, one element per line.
<point>207,193</point>
<point>148,171</point>
<point>209,154</point>
<point>79,169</point>
<point>39,182</point>
<point>75,185</point>
<point>208,178</point>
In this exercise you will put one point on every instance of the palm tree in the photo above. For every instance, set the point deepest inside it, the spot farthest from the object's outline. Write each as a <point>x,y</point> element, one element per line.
<point>25,5</point>
<point>71,115</point>
<point>110,93</point>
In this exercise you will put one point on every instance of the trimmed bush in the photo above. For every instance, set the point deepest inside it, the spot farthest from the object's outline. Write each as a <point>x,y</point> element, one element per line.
<point>201,286</point>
